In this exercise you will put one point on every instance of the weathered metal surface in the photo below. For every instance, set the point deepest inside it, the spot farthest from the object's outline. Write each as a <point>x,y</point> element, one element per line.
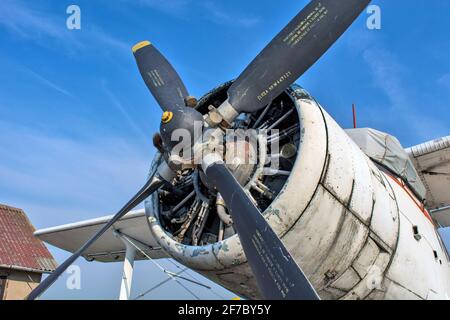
<point>343,221</point>
<point>423,256</point>
<point>432,160</point>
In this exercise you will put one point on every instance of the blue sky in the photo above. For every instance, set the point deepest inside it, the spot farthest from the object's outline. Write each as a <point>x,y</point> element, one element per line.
<point>76,119</point>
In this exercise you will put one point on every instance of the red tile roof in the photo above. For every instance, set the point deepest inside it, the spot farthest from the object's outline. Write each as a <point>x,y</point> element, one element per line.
<point>19,248</point>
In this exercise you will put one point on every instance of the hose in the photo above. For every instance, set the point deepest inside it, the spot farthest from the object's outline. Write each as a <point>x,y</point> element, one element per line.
<point>222,212</point>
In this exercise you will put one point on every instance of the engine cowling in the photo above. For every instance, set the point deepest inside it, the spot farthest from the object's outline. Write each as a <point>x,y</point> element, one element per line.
<point>331,206</point>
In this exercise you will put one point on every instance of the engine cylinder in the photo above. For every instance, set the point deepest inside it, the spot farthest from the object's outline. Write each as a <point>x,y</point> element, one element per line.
<point>335,212</point>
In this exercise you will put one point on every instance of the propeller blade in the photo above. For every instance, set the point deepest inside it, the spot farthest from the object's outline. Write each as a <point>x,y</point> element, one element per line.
<point>160,77</point>
<point>291,53</point>
<point>277,274</point>
<point>151,186</point>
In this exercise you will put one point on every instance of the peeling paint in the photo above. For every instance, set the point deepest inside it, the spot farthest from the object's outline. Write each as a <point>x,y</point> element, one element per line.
<point>331,215</point>
<point>224,247</point>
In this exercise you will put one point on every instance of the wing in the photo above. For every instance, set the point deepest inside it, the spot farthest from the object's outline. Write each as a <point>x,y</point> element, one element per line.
<point>442,217</point>
<point>108,248</point>
<point>432,161</point>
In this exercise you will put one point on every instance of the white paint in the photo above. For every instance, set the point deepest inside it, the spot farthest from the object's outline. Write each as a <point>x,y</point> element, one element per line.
<point>127,275</point>
<point>345,253</point>
<point>128,268</point>
<point>339,216</point>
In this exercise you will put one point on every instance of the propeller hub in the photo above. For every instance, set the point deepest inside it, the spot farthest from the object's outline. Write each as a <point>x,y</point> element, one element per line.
<point>180,129</point>
<point>241,159</point>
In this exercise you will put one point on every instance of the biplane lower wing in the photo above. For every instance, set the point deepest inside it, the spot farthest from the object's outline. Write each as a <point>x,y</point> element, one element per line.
<point>109,247</point>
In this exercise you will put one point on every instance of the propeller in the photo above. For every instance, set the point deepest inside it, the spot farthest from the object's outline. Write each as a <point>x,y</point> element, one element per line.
<point>151,186</point>
<point>160,77</point>
<point>277,274</point>
<point>291,53</point>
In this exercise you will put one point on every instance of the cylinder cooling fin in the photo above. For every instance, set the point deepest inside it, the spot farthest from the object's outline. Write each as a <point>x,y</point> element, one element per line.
<point>320,202</point>
<point>193,213</point>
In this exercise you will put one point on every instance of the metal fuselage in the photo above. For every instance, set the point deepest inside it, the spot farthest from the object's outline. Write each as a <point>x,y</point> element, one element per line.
<point>355,230</point>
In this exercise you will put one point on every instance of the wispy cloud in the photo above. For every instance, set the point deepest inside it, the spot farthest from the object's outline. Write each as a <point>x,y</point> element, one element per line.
<point>386,75</point>
<point>42,170</point>
<point>48,83</point>
<point>60,180</point>
<point>173,7</point>
<point>221,16</point>
<point>211,11</point>
<point>389,75</point>
<point>29,23</point>
<point>404,112</point>
<point>444,81</point>
<point>117,104</point>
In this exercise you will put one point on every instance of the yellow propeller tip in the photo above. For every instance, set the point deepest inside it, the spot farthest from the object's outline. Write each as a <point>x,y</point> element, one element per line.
<point>140,45</point>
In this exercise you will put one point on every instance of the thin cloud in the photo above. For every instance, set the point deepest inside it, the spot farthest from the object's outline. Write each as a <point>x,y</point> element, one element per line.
<point>221,16</point>
<point>48,83</point>
<point>444,81</point>
<point>388,74</point>
<point>211,11</point>
<point>32,24</point>
<point>385,72</point>
<point>61,172</point>
<point>27,22</point>
<point>123,110</point>
<point>404,110</point>
<point>173,7</point>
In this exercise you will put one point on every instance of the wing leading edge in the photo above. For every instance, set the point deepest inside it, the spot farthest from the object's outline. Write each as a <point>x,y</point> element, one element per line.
<point>432,161</point>
<point>108,248</point>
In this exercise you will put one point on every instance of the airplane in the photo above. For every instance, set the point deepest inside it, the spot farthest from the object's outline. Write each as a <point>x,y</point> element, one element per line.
<point>346,214</point>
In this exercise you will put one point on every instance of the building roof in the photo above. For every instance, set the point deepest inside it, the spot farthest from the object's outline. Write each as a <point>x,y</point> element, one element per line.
<point>19,248</point>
